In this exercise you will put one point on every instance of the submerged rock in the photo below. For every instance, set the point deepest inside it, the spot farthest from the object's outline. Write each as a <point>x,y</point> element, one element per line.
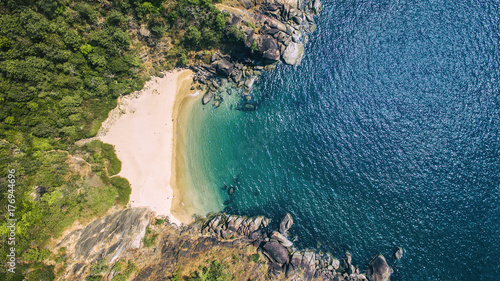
<point>249,107</point>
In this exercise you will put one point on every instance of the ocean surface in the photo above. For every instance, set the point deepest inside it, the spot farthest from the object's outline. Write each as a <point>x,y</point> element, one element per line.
<point>387,135</point>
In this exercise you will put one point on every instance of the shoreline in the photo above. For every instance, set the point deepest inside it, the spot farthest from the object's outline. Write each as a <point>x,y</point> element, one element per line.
<point>142,130</point>
<point>184,205</point>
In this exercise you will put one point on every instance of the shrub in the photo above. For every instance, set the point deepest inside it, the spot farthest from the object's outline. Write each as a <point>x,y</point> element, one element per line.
<point>149,239</point>
<point>255,257</point>
<point>193,37</point>
<point>114,164</point>
<point>123,188</point>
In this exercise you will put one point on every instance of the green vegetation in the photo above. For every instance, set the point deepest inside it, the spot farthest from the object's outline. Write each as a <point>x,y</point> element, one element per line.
<point>196,25</point>
<point>96,269</point>
<point>255,257</point>
<point>61,70</point>
<point>124,271</point>
<point>122,188</point>
<point>159,222</point>
<point>254,46</point>
<point>41,272</point>
<point>63,63</point>
<point>73,189</point>
<point>149,239</point>
<point>214,271</point>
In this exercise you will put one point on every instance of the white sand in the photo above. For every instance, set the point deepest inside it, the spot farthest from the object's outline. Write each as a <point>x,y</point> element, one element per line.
<point>141,129</point>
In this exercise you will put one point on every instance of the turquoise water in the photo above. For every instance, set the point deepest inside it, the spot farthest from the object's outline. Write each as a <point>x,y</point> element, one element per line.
<point>387,134</point>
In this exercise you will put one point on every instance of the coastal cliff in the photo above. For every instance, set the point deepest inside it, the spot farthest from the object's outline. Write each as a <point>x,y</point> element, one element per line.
<point>133,245</point>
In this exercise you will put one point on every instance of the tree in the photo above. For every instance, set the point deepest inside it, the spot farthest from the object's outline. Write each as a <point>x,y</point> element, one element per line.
<point>210,37</point>
<point>220,21</point>
<point>9,120</point>
<point>116,18</point>
<point>146,10</point>
<point>86,49</point>
<point>183,59</point>
<point>193,36</point>
<point>235,34</point>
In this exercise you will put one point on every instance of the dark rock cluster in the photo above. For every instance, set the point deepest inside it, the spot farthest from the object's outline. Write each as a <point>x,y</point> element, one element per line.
<point>285,261</point>
<point>274,31</point>
<point>119,235</point>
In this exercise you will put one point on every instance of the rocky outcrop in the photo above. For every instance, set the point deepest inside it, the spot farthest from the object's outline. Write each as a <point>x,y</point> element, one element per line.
<point>315,6</point>
<point>105,239</point>
<point>39,192</point>
<point>222,225</point>
<point>119,235</point>
<point>378,269</point>
<point>274,31</point>
<point>285,261</point>
<point>224,67</point>
<point>347,264</point>
<point>268,46</point>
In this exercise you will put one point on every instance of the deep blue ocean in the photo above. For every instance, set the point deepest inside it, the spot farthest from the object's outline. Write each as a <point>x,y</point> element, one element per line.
<point>387,135</point>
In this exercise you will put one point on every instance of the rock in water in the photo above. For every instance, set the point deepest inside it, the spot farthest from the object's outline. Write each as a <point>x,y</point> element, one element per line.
<point>399,253</point>
<point>317,7</point>
<point>378,269</point>
<point>207,97</point>
<point>249,83</point>
<point>282,239</point>
<point>347,264</point>
<point>249,107</point>
<point>294,53</point>
<point>286,223</point>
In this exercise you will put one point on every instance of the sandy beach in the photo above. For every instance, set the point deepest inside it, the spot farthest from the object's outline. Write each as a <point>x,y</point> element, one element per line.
<point>142,130</point>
